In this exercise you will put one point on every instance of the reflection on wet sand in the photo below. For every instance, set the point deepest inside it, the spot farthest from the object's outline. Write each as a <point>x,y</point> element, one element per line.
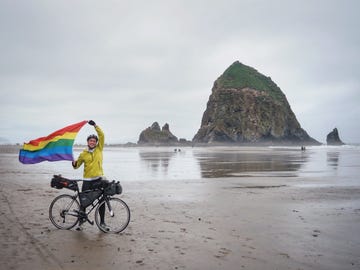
<point>157,162</point>
<point>333,159</point>
<point>223,163</point>
<point>167,163</point>
<point>229,164</point>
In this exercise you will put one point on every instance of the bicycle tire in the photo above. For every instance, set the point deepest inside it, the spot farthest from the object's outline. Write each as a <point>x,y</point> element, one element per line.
<point>63,211</point>
<point>116,222</point>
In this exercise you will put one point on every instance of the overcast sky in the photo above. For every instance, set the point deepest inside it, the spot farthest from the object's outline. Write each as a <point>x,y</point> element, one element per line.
<point>127,64</point>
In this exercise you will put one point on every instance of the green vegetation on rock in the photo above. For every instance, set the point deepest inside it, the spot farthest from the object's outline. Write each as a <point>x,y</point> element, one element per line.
<point>241,76</point>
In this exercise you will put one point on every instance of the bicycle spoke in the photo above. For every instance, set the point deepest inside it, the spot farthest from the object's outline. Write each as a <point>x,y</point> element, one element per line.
<point>116,217</point>
<point>62,211</point>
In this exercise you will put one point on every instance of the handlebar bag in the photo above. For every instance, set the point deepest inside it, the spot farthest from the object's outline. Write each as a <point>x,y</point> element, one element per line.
<point>113,188</point>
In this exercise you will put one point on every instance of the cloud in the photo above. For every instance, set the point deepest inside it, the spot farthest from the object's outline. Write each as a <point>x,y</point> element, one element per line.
<point>127,64</point>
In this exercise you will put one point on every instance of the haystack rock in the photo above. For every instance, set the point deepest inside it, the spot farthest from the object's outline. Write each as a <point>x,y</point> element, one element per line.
<point>247,107</point>
<point>333,138</point>
<point>153,135</point>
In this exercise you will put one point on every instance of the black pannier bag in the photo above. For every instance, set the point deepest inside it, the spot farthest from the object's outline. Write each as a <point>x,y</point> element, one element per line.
<point>87,197</point>
<point>60,182</point>
<point>113,188</point>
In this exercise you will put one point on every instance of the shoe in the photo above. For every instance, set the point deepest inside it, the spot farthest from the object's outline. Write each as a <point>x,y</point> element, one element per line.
<point>105,227</point>
<point>79,228</point>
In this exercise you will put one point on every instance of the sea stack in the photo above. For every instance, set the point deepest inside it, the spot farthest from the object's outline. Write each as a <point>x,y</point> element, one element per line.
<point>333,138</point>
<point>155,136</point>
<point>246,107</point>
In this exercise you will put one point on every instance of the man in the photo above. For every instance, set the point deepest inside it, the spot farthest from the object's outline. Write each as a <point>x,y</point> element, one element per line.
<point>92,158</point>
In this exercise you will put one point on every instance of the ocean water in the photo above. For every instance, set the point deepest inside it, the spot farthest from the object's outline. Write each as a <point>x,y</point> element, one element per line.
<point>168,163</point>
<point>341,163</point>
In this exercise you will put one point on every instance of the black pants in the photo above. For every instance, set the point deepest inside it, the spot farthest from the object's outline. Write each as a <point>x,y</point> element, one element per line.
<point>90,185</point>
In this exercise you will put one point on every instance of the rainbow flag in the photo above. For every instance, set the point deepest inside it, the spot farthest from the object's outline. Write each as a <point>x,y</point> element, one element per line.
<point>56,146</point>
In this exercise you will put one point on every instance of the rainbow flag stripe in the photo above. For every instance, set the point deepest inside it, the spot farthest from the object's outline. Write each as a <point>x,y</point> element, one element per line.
<point>54,147</point>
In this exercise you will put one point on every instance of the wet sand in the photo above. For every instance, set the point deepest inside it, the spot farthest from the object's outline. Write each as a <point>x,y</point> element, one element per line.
<point>237,223</point>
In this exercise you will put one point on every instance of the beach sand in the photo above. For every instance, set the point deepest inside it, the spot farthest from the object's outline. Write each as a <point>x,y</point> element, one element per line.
<point>236,223</point>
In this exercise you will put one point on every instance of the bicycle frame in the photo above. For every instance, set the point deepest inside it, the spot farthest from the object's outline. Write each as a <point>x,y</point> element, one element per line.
<point>95,203</point>
<point>92,206</point>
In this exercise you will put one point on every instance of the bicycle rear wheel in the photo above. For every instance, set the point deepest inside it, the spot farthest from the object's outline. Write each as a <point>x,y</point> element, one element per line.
<point>117,216</point>
<point>63,211</point>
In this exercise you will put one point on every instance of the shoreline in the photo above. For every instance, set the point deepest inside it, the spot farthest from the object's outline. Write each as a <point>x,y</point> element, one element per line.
<point>8,147</point>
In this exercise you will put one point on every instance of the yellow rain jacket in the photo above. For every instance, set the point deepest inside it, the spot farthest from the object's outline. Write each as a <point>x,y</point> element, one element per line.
<point>92,159</point>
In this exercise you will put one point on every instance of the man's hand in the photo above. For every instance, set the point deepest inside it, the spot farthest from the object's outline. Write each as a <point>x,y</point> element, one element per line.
<point>91,122</point>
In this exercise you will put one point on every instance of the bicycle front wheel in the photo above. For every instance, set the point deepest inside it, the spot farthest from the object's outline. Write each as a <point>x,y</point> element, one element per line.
<point>63,211</point>
<point>116,216</point>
